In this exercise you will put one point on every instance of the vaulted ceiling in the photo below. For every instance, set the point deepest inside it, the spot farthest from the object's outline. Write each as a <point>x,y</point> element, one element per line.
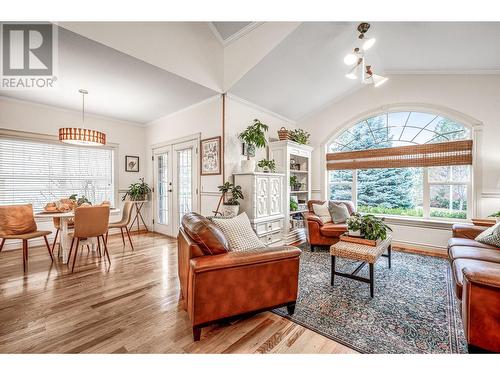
<point>140,71</point>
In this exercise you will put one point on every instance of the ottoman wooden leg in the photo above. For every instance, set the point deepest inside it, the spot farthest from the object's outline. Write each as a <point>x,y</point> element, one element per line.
<point>389,253</point>
<point>372,279</point>
<point>333,270</point>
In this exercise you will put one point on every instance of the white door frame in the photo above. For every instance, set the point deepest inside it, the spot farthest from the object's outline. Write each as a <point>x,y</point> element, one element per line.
<point>173,145</point>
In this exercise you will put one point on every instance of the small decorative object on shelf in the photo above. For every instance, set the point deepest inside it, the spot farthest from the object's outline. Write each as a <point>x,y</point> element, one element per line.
<point>294,206</point>
<point>367,227</point>
<point>231,206</point>
<point>295,184</point>
<point>294,166</point>
<point>253,137</point>
<point>299,136</point>
<point>283,134</point>
<point>267,165</point>
<point>496,216</point>
<point>138,191</point>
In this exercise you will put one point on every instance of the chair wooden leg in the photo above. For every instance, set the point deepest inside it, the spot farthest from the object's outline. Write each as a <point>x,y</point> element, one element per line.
<point>129,239</point>
<point>196,333</point>
<point>55,241</point>
<point>88,248</point>
<point>106,250</point>
<point>1,245</point>
<point>99,247</point>
<point>48,247</point>
<point>76,254</point>
<point>123,238</point>
<point>25,255</point>
<point>107,232</point>
<point>71,248</point>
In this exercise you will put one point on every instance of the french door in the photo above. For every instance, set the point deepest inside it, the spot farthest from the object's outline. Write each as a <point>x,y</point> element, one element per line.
<point>175,185</point>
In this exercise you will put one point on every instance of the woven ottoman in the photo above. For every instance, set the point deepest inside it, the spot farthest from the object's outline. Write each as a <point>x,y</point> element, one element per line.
<point>365,254</point>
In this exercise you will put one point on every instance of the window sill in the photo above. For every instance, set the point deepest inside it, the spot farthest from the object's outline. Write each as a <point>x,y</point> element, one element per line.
<point>421,222</point>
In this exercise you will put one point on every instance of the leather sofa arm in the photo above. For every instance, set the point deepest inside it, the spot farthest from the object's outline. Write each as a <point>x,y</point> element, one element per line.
<point>243,258</point>
<point>483,276</point>
<point>310,216</point>
<point>467,230</point>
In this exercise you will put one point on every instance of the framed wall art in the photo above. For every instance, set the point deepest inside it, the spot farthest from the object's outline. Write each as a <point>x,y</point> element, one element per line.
<point>210,156</point>
<point>131,163</point>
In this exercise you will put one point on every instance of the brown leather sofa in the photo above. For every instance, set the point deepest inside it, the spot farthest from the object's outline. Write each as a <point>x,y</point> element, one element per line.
<point>476,273</point>
<point>319,234</point>
<point>217,283</point>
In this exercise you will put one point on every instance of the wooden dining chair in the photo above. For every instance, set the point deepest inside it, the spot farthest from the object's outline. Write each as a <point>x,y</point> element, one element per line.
<point>18,223</point>
<point>90,222</point>
<point>124,222</point>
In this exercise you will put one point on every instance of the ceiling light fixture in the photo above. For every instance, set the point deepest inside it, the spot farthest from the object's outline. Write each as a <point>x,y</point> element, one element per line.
<point>357,58</point>
<point>82,136</point>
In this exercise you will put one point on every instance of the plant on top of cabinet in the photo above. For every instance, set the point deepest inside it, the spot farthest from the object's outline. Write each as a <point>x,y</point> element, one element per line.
<point>254,137</point>
<point>299,136</point>
<point>267,165</point>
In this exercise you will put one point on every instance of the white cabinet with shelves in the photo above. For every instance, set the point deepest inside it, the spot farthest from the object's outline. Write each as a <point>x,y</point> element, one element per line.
<point>263,204</point>
<point>293,160</point>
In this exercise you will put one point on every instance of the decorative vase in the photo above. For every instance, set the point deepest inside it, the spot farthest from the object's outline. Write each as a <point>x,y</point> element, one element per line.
<point>230,210</point>
<point>248,166</point>
<point>266,169</point>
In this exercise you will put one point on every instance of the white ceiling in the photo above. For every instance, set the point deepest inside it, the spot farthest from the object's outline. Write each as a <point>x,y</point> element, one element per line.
<point>227,29</point>
<point>306,70</point>
<point>120,86</point>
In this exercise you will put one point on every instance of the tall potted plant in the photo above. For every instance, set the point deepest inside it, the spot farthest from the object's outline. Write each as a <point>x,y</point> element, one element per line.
<point>254,137</point>
<point>138,191</point>
<point>231,205</point>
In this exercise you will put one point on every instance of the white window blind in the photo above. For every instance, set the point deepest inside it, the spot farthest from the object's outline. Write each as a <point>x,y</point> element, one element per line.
<point>40,172</point>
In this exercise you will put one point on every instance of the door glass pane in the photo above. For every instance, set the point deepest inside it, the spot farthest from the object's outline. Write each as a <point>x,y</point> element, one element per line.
<point>448,201</point>
<point>185,183</point>
<point>162,189</point>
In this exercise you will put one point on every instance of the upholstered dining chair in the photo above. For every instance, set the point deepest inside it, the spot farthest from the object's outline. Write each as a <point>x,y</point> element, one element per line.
<point>90,222</point>
<point>123,223</point>
<point>18,223</point>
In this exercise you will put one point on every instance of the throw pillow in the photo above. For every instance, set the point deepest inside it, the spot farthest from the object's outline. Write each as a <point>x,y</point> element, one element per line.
<point>339,212</point>
<point>239,233</point>
<point>490,236</point>
<point>321,210</point>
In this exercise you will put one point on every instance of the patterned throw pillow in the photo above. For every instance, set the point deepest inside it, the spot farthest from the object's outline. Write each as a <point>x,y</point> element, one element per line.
<point>321,210</point>
<point>490,236</point>
<point>239,233</point>
<point>339,212</point>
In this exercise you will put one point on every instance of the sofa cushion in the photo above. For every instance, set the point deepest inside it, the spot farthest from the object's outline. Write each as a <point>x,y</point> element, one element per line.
<point>490,236</point>
<point>206,234</point>
<point>467,252</point>
<point>460,264</point>
<point>239,232</point>
<point>468,242</point>
<point>333,230</point>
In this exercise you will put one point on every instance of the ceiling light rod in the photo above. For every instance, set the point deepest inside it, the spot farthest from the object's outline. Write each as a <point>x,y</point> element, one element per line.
<point>83,92</point>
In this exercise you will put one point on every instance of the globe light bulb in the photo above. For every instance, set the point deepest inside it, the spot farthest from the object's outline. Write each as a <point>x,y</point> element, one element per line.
<point>351,75</point>
<point>379,80</point>
<point>350,59</point>
<point>368,44</point>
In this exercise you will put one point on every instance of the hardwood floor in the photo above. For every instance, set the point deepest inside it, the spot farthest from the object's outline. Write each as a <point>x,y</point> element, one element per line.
<point>132,307</point>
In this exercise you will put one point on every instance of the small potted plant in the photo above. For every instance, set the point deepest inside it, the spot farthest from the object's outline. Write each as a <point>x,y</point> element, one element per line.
<point>253,137</point>
<point>374,228</point>
<point>496,215</point>
<point>354,224</point>
<point>267,165</point>
<point>299,136</point>
<point>294,206</point>
<point>230,206</point>
<point>138,191</point>
<point>295,185</point>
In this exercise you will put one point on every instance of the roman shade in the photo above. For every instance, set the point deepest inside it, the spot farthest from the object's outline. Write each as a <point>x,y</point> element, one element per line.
<point>426,155</point>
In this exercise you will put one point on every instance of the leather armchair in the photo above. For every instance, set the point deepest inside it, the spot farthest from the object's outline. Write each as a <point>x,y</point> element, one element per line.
<point>217,283</point>
<point>476,272</point>
<point>319,234</point>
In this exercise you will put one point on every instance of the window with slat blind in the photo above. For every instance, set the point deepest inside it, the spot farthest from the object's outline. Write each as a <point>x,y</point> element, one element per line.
<point>38,172</point>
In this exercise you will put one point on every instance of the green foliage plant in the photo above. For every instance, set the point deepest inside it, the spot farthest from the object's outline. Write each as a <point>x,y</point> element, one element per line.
<point>233,191</point>
<point>254,137</point>
<point>265,163</point>
<point>138,191</point>
<point>299,136</point>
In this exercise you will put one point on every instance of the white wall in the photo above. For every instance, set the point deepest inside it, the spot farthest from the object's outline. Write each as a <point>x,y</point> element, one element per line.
<point>474,96</point>
<point>35,118</point>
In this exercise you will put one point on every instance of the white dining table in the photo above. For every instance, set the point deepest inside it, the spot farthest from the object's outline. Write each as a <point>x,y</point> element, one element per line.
<point>65,239</point>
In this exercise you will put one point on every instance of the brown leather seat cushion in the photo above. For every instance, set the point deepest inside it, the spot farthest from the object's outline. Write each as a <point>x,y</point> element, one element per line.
<point>468,252</point>
<point>460,264</point>
<point>333,230</point>
<point>468,242</point>
<point>28,236</point>
<point>206,234</point>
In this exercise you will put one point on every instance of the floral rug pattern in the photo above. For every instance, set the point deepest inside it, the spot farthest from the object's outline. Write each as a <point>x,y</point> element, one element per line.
<point>413,311</point>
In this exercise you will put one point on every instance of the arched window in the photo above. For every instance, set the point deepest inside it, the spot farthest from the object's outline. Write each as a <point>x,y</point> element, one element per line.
<point>431,192</point>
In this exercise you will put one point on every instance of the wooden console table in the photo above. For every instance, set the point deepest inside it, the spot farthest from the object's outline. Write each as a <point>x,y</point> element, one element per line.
<point>138,216</point>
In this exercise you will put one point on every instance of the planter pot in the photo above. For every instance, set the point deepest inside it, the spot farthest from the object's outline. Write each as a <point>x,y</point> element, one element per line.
<point>355,233</point>
<point>139,198</point>
<point>247,166</point>
<point>230,210</point>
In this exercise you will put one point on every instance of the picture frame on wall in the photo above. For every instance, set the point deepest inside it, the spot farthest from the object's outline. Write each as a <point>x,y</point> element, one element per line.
<point>210,156</point>
<point>131,163</point>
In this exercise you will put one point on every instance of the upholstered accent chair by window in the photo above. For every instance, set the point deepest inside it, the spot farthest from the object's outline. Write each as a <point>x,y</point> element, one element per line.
<point>18,223</point>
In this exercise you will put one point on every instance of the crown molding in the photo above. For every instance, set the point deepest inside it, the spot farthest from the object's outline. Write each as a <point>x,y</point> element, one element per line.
<point>225,42</point>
